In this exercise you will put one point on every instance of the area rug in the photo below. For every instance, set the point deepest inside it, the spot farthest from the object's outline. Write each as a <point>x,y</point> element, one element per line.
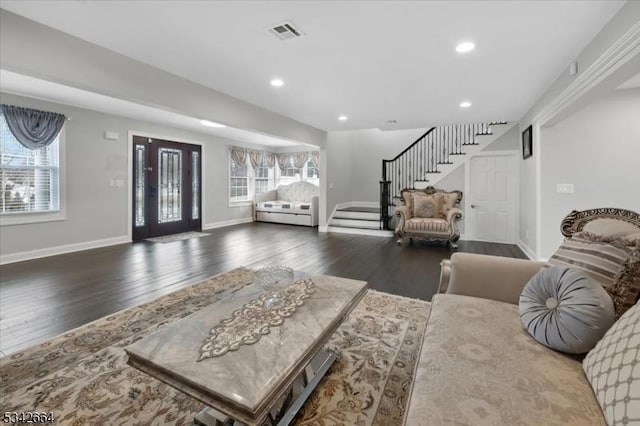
<point>83,379</point>
<point>178,237</point>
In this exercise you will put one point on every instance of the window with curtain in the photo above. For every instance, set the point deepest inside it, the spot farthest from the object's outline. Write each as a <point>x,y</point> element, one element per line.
<point>238,181</point>
<point>290,174</point>
<point>263,177</point>
<point>30,177</point>
<point>311,173</point>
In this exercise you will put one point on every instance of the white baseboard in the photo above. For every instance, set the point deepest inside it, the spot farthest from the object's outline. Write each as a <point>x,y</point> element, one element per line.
<point>323,229</point>
<point>527,250</point>
<point>67,248</point>
<point>224,223</point>
<point>360,231</point>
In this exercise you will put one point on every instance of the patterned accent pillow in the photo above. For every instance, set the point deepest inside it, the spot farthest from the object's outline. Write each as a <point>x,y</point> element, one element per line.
<point>613,369</point>
<point>603,259</point>
<point>427,206</point>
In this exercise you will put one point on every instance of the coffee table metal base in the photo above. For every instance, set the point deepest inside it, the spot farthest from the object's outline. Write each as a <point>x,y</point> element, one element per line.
<point>284,413</point>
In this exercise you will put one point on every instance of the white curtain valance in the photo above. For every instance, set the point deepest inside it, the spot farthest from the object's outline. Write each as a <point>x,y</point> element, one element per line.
<point>283,160</point>
<point>314,157</point>
<point>239,155</point>
<point>255,158</point>
<point>300,159</point>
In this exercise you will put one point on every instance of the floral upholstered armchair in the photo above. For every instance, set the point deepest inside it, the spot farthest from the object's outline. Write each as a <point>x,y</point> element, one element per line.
<point>429,214</point>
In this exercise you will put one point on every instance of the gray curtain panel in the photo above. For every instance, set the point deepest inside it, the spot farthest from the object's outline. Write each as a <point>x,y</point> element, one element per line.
<point>34,129</point>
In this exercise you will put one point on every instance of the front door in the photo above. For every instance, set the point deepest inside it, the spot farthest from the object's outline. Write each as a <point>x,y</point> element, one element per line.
<point>166,187</point>
<point>491,198</point>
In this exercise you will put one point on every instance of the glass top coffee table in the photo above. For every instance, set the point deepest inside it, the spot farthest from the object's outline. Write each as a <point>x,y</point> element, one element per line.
<point>244,359</point>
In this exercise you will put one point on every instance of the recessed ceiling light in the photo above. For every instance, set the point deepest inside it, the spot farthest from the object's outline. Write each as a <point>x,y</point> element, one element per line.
<point>211,123</point>
<point>464,47</point>
<point>465,104</point>
<point>343,118</point>
<point>277,82</point>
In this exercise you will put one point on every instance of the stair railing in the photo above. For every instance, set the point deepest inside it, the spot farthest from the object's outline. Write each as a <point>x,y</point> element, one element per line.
<point>422,157</point>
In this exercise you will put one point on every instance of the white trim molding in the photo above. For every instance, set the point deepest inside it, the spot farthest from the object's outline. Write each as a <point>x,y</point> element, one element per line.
<point>224,223</point>
<point>67,248</point>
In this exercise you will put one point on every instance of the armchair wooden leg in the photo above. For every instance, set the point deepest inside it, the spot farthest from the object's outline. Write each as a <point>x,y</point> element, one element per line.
<point>453,244</point>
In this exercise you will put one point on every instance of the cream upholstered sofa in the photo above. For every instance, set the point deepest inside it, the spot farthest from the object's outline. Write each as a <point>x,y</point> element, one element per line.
<point>429,214</point>
<point>295,204</point>
<point>479,366</point>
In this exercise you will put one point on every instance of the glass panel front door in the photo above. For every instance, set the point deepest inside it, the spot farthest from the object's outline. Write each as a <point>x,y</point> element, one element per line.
<point>166,187</point>
<point>169,185</point>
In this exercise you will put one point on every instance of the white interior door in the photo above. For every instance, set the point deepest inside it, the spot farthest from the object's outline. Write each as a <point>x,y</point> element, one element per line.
<point>492,197</point>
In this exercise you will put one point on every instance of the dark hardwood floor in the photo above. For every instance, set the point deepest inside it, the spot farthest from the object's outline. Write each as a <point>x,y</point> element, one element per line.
<point>42,298</point>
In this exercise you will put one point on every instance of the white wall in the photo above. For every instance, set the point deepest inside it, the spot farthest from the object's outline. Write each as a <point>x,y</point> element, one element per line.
<point>532,169</point>
<point>96,211</point>
<point>598,151</point>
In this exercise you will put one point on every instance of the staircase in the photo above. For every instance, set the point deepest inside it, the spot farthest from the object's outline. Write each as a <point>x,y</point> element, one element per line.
<point>426,161</point>
<point>431,157</point>
<point>357,219</point>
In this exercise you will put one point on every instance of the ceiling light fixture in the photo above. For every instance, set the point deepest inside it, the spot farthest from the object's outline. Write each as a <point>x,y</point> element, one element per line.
<point>276,82</point>
<point>465,104</point>
<point>211,123</point>
<point>465,47</point>
<point>343,118</point>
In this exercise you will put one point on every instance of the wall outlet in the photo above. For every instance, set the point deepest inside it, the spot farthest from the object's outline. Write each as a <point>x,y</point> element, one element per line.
<point>112,183</point>
<point>564,188</point>
<point>119,183</point>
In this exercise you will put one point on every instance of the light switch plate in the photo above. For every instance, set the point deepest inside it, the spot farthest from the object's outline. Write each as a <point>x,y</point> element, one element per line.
<point>564,188</point>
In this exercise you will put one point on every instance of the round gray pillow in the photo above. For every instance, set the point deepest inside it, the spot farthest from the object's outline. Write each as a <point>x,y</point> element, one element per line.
<point>566,310</point>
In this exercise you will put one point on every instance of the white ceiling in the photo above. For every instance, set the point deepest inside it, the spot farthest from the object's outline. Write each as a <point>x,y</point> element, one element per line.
<point>54,92</point>
<point>372,61</point>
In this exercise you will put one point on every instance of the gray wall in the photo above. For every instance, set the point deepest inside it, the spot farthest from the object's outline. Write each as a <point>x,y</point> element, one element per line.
<point>598,151</point>
<point>36,50</point>
<point>530,176</point>
<point>96,211</point>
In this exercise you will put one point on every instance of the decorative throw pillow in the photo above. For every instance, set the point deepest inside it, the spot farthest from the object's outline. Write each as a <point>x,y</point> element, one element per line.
<point>427,205</point>
<point>613,369</point>
<point>566,310</point>
<point>449,202</point>
<point>603,258</point>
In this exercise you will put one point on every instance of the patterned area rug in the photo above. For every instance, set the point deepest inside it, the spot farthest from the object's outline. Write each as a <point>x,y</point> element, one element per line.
<point>82,376</point>
<point>178,237</point>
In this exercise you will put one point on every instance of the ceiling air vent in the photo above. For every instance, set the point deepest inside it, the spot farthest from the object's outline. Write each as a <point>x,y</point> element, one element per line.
<point>285,31</point>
